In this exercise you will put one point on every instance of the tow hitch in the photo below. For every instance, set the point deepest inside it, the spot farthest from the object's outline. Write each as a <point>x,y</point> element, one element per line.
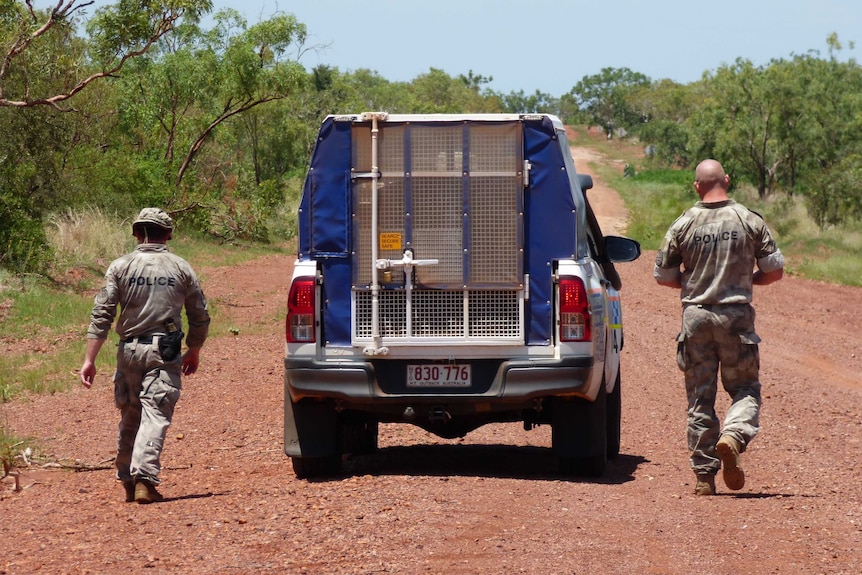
<point>438,414</point>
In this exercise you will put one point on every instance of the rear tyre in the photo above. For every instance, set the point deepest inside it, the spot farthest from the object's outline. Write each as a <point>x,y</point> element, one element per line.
<point>579,435</point>
<point>359,437</point>
<point>311,438</point>
<point>311,467</point>
<point>615,414</point>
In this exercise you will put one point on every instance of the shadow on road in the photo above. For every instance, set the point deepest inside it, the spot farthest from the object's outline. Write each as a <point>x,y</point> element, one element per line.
<point>501,461</point>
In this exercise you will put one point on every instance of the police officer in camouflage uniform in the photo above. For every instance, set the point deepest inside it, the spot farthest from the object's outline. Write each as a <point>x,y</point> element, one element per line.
<point>151,286</point>
<point>710,253</point>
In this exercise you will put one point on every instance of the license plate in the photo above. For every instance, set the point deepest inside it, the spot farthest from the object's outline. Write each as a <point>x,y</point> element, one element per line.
<point>438,375</point>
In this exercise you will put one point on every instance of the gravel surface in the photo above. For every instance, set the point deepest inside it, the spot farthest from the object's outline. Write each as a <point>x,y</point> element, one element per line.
<point>489,503</point>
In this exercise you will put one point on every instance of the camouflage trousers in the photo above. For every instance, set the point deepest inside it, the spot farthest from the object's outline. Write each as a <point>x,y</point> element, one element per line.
<point>146,390</point>
<point>719,339</point>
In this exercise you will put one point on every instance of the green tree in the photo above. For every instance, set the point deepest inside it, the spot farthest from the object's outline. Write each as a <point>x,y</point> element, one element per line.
<point>193,84</point>
<point>44,65</point>
<point>537,102</point>
<point>836,198</point>
<point>738,124</point>
<point>827,144</point>
<point>36,44</point>
<point>437,92</point>
<point>665,106</point>
<point>257,66</point>
<point>604,98</point>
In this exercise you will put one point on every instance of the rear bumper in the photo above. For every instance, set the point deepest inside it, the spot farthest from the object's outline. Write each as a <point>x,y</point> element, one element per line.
<point>506,381</point>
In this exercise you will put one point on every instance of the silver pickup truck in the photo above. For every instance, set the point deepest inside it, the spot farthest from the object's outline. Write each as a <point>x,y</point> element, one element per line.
<point>451,274</point>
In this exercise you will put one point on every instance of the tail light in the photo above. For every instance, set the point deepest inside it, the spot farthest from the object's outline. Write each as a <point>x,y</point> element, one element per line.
<point>574,310</point>
<point>299,324</point>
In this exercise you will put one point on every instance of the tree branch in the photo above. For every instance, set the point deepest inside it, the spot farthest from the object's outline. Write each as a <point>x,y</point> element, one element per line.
<point>228,113</point>
<point>62,11</point>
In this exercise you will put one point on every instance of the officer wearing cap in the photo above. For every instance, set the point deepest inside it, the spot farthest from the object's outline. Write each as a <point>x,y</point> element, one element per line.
<point>151,286</point>
<point>715,253</point>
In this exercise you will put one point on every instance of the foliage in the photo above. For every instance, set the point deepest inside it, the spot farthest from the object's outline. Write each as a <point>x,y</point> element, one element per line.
<point>738,125</point>
<point>654,199</point>
<point>39,68</point>
<point>836,198</point>
<point>215,119</point>
<point>793,126</point>
<point>604,97</point>
<point>665,106</point>
<point>536,103</point>
<point>22,241</point>
<point>88,238</point>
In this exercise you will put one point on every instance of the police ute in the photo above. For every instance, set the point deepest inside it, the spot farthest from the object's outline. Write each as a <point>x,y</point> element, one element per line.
<point>450,274</point>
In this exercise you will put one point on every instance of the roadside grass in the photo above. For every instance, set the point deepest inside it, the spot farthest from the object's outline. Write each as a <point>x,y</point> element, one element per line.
<point>201,251</point>
<point>656,197</point>
<point>47,368</point>
<point>88,238</point>
<point>11,447</point>
<point>44,320</point>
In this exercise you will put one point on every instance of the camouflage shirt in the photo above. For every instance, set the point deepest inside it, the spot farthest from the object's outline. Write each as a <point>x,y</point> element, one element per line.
<point>150,285</point>
<point>718,245</point>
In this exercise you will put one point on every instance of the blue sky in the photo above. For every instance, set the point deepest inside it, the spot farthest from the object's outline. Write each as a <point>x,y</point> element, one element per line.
<point>550,45</point>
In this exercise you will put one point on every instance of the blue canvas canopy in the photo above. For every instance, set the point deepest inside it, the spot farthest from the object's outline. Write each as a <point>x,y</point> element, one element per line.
<point>552,201</point>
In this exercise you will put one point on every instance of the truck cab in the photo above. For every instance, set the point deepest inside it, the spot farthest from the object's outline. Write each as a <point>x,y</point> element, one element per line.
<point>450,274</point>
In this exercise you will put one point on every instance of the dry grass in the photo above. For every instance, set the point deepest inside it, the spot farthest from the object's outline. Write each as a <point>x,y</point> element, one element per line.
<point>88,237</point>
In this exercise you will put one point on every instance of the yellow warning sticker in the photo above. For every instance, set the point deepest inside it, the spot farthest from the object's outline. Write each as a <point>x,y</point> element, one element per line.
<point>390,241</point>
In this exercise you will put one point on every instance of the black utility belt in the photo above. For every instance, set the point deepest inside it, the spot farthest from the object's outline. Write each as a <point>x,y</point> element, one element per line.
<point>144,339</point>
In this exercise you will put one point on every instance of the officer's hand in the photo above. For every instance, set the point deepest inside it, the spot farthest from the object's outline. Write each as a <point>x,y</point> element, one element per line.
<point>88,373</point>
<point>191,360</point>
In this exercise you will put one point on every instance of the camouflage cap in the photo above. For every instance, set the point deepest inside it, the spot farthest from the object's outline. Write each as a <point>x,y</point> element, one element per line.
<point>156,217</point>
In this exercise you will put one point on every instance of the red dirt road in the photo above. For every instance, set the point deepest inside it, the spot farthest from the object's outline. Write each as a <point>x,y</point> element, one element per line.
<point>490,503</point>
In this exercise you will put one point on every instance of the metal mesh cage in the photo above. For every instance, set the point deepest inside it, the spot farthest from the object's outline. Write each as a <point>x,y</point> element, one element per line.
<point>390,214</point>
<point>494,314</point>
<point>438,229</point>
<point>390,151</point>
<point>393,321</point>
<point>452,193</point>
<point>495,244</point>
<point>451,315</point>
<point>495,149</point>
<point>438,314</point>
<point>437,149</point>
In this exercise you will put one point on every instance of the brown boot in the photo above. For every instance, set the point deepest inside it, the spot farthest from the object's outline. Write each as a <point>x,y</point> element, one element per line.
<point>129,486</point>
<point>145,492</point>
<point>705,484</point>
<point>731,465</point>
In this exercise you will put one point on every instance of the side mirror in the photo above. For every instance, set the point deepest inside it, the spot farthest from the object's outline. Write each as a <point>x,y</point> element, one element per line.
<point>619,249</point>
<point>586,182</point>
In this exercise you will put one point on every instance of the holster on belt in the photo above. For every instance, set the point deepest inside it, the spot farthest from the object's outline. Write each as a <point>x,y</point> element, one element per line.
<point>171,344</point>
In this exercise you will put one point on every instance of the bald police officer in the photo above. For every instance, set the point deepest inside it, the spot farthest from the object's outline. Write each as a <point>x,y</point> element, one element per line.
<point>710,253</point>
<point>151,286</point>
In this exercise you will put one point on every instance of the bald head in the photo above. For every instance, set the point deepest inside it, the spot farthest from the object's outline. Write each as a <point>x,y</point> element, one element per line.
<point>710,179</point>
<point>709,173</point>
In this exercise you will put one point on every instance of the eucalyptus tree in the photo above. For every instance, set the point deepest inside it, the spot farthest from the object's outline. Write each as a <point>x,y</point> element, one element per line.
<point>196,101</point>
<point>243,67</point>
<point>738,123</point>
<point>437,92</point>
<point>44,64</point>
<point>830,167</point>
<point>664,107</point>
<point>604,98</point>
<point>36,41</point>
